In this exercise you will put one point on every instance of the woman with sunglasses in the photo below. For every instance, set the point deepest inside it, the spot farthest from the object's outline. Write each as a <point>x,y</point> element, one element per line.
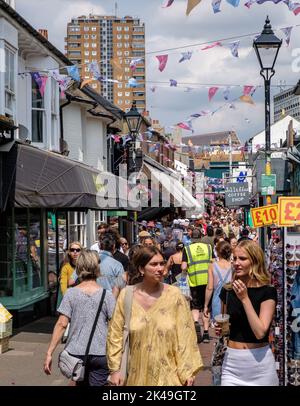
<point>162,337</point>
<point>68,266</point>
<point>251,304</point>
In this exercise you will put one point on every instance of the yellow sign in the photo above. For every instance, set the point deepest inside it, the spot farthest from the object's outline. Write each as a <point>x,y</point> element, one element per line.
<point>265,215</point>
<point>289,211</point>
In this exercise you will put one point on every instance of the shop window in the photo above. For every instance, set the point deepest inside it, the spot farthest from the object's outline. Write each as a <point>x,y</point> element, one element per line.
<point>6,259</point>
<point>77,227</point>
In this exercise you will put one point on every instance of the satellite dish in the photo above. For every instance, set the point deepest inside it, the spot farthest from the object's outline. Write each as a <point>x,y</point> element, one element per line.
<point>23,132</point>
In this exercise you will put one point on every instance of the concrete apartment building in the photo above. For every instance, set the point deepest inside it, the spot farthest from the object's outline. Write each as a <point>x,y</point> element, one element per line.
<point>113,43</point>
<point>286,103</point>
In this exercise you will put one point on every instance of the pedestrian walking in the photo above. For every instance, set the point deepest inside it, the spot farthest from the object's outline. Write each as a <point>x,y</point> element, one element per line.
<point>173,267</point>
<point>219,273</point>
<point>195,261</point>
<point>251,306</point>
<point>162,339</point>
<point>79,307</point>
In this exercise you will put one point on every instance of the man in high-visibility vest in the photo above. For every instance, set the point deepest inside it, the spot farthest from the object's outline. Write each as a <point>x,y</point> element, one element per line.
<point>195,261</point>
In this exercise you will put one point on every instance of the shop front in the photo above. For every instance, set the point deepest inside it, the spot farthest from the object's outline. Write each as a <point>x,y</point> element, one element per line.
<point>46,200</point>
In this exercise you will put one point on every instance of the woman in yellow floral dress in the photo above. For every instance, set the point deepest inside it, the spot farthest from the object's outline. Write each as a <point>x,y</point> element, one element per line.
<point>163,342</point>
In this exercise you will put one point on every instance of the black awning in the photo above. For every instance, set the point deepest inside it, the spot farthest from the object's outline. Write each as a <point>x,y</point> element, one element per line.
<point>38,178</point>
<point>155,213</point>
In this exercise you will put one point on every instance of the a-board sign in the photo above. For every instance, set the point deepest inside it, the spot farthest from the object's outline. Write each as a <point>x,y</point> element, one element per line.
<point>289,211</point>
<point>236,194</point>
<point>264,215</point>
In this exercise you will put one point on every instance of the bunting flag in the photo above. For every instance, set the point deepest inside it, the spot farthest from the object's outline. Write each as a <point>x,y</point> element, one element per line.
<point>215,44</point>
<point>153,88</point>
<point>190,5</point>
<point>73,72</point>
<point>63,81</point>
<point>168,4</point>
<point>226,93</point>
<point>163,59</point>
<point>294,7</point>
<point>287,32</point>
<point>186,125</point>
<point>116,138</point>
<point>216,6</point>
<point>132,82</point>
<point>234,48</point>
<point>264,1</point>
<point>173,82</point>
<point>246,99</point>
<point>211,92</point>
<point>201,114</point>
<point>247,90</point>
<point>185,56</point>
<point>253,91</point>
<point>134,62</point>
<point>234,3</point>
<point>40,81</point>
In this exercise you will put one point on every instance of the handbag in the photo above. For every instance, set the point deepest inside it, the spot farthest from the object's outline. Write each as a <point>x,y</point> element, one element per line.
<point>183,284</point>
<point>72,367</point>
<point>125,347</point>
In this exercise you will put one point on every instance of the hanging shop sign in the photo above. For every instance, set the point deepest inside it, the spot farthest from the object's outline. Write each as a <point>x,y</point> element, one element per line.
<point>264,215</point>
<point>236,194</point>
<point>268,184</point>
<point>289,211</point>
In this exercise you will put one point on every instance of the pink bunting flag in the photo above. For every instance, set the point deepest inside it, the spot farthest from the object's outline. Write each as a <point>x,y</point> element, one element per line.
<point>215,44</point>
<point>163,59</point>
<point>40,81</point>
<point>185,125</point>
<point>211,92</point>
<point>248,90</point>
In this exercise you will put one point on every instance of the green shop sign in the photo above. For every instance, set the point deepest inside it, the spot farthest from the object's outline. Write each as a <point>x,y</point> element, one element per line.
<point>116,213</point>
<point>268,184</point>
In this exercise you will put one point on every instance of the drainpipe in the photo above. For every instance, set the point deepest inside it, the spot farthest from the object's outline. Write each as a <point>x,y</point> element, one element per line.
<point>61,123</point>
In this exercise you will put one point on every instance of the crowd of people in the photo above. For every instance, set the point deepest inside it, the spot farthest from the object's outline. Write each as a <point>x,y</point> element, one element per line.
<point>165,325</point>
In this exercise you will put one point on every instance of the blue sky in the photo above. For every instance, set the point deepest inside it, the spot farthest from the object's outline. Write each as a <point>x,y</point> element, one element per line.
<point>169,28</point>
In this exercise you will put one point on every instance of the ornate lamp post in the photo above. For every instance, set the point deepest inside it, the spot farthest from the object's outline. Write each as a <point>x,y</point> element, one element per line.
<point>267,46</point>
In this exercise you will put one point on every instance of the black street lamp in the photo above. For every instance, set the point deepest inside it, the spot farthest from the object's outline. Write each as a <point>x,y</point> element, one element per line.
<point>135,155</point>
<point>134,120</point>
<point>267,46</point>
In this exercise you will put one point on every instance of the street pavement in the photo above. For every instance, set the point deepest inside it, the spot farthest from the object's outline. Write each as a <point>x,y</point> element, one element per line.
<point>22,365</point>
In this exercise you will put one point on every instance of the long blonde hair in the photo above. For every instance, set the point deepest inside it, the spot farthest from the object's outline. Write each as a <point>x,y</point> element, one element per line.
<point>258,268</point>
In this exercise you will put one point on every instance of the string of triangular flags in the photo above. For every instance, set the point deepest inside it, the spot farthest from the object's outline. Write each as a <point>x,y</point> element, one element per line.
<point>293,6</point>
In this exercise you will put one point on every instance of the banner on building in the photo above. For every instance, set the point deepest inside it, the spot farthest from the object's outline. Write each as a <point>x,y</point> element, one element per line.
<point>237,194</point>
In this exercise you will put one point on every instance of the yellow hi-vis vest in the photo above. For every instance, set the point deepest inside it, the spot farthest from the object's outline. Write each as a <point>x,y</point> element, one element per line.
<point>199,258</point>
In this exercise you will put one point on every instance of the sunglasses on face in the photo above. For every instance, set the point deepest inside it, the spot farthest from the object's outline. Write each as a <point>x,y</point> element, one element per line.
<point>75,249</point>
<point>124,243</point>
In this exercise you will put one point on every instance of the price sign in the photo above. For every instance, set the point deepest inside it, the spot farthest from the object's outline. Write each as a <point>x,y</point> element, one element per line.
<point>265,215</point>
<point>289,211</point>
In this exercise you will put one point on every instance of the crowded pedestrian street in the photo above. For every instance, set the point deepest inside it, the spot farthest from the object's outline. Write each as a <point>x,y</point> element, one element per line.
<point>149,196</point>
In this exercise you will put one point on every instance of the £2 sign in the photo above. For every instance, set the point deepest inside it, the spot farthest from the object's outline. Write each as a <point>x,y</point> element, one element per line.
<point>289,211</point>
<point>265,215</point>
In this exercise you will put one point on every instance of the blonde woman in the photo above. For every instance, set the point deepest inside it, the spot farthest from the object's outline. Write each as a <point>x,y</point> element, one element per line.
<point>69,265</point>
<point>79,307</point>
<point>251,305</point>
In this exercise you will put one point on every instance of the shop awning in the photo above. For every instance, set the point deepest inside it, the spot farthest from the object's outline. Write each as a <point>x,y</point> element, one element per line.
<point>38,178</point>
<point>171,186</point>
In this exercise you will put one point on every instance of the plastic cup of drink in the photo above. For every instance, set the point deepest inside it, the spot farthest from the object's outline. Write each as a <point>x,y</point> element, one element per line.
<point>223,321</point>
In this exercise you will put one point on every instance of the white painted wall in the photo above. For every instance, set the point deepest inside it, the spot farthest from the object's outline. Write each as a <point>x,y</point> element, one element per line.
<point>73,135</point>
<point>94,146</point>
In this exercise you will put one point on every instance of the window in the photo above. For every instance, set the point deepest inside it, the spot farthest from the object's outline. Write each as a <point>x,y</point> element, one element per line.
<point>74,29</point>
<point>86,61</point>
<point>94,28</point>
<point>126,36</point>
<point>127,94</point>
<point>10,81</point>
<point>37,113</point>
<point>120,94</point>
<point>126,28</point>
<point>127,101</point>
<point>54,111</point>
<point>86,36</point>
<point>119,45</point>
<point>120,85</point>
<point>119,53</point>
<point>126,53</point>
<point>94,85</point>
<point>93,36</point>
<point>120,101</point>
<point>77,227</point>
<point>127,69</point>
<point>86,28</point>
<point>94,45</point>
<point>86,53</point>
<point>86,44</point>
<point>119,28</point>
<point>94,53</point>
<point>119,36</point>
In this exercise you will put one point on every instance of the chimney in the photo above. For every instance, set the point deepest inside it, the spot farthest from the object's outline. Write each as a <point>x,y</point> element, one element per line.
<point>44,33</point>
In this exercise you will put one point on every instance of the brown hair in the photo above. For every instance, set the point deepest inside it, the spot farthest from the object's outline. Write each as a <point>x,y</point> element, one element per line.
<point>256,255</point>
<point>224,250</point>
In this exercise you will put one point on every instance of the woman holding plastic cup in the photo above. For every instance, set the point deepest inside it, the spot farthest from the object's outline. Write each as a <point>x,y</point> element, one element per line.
<point>250,305</point>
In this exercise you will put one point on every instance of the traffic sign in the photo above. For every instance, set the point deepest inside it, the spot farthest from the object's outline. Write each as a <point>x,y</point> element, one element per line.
<point>289,211</point>
<point>268,184</point>
<point>264,215</point>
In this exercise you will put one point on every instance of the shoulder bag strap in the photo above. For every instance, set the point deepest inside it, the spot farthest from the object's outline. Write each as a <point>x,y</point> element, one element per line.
<point>128,305</point>
<point>125,345</point>
<point>94,327</point>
